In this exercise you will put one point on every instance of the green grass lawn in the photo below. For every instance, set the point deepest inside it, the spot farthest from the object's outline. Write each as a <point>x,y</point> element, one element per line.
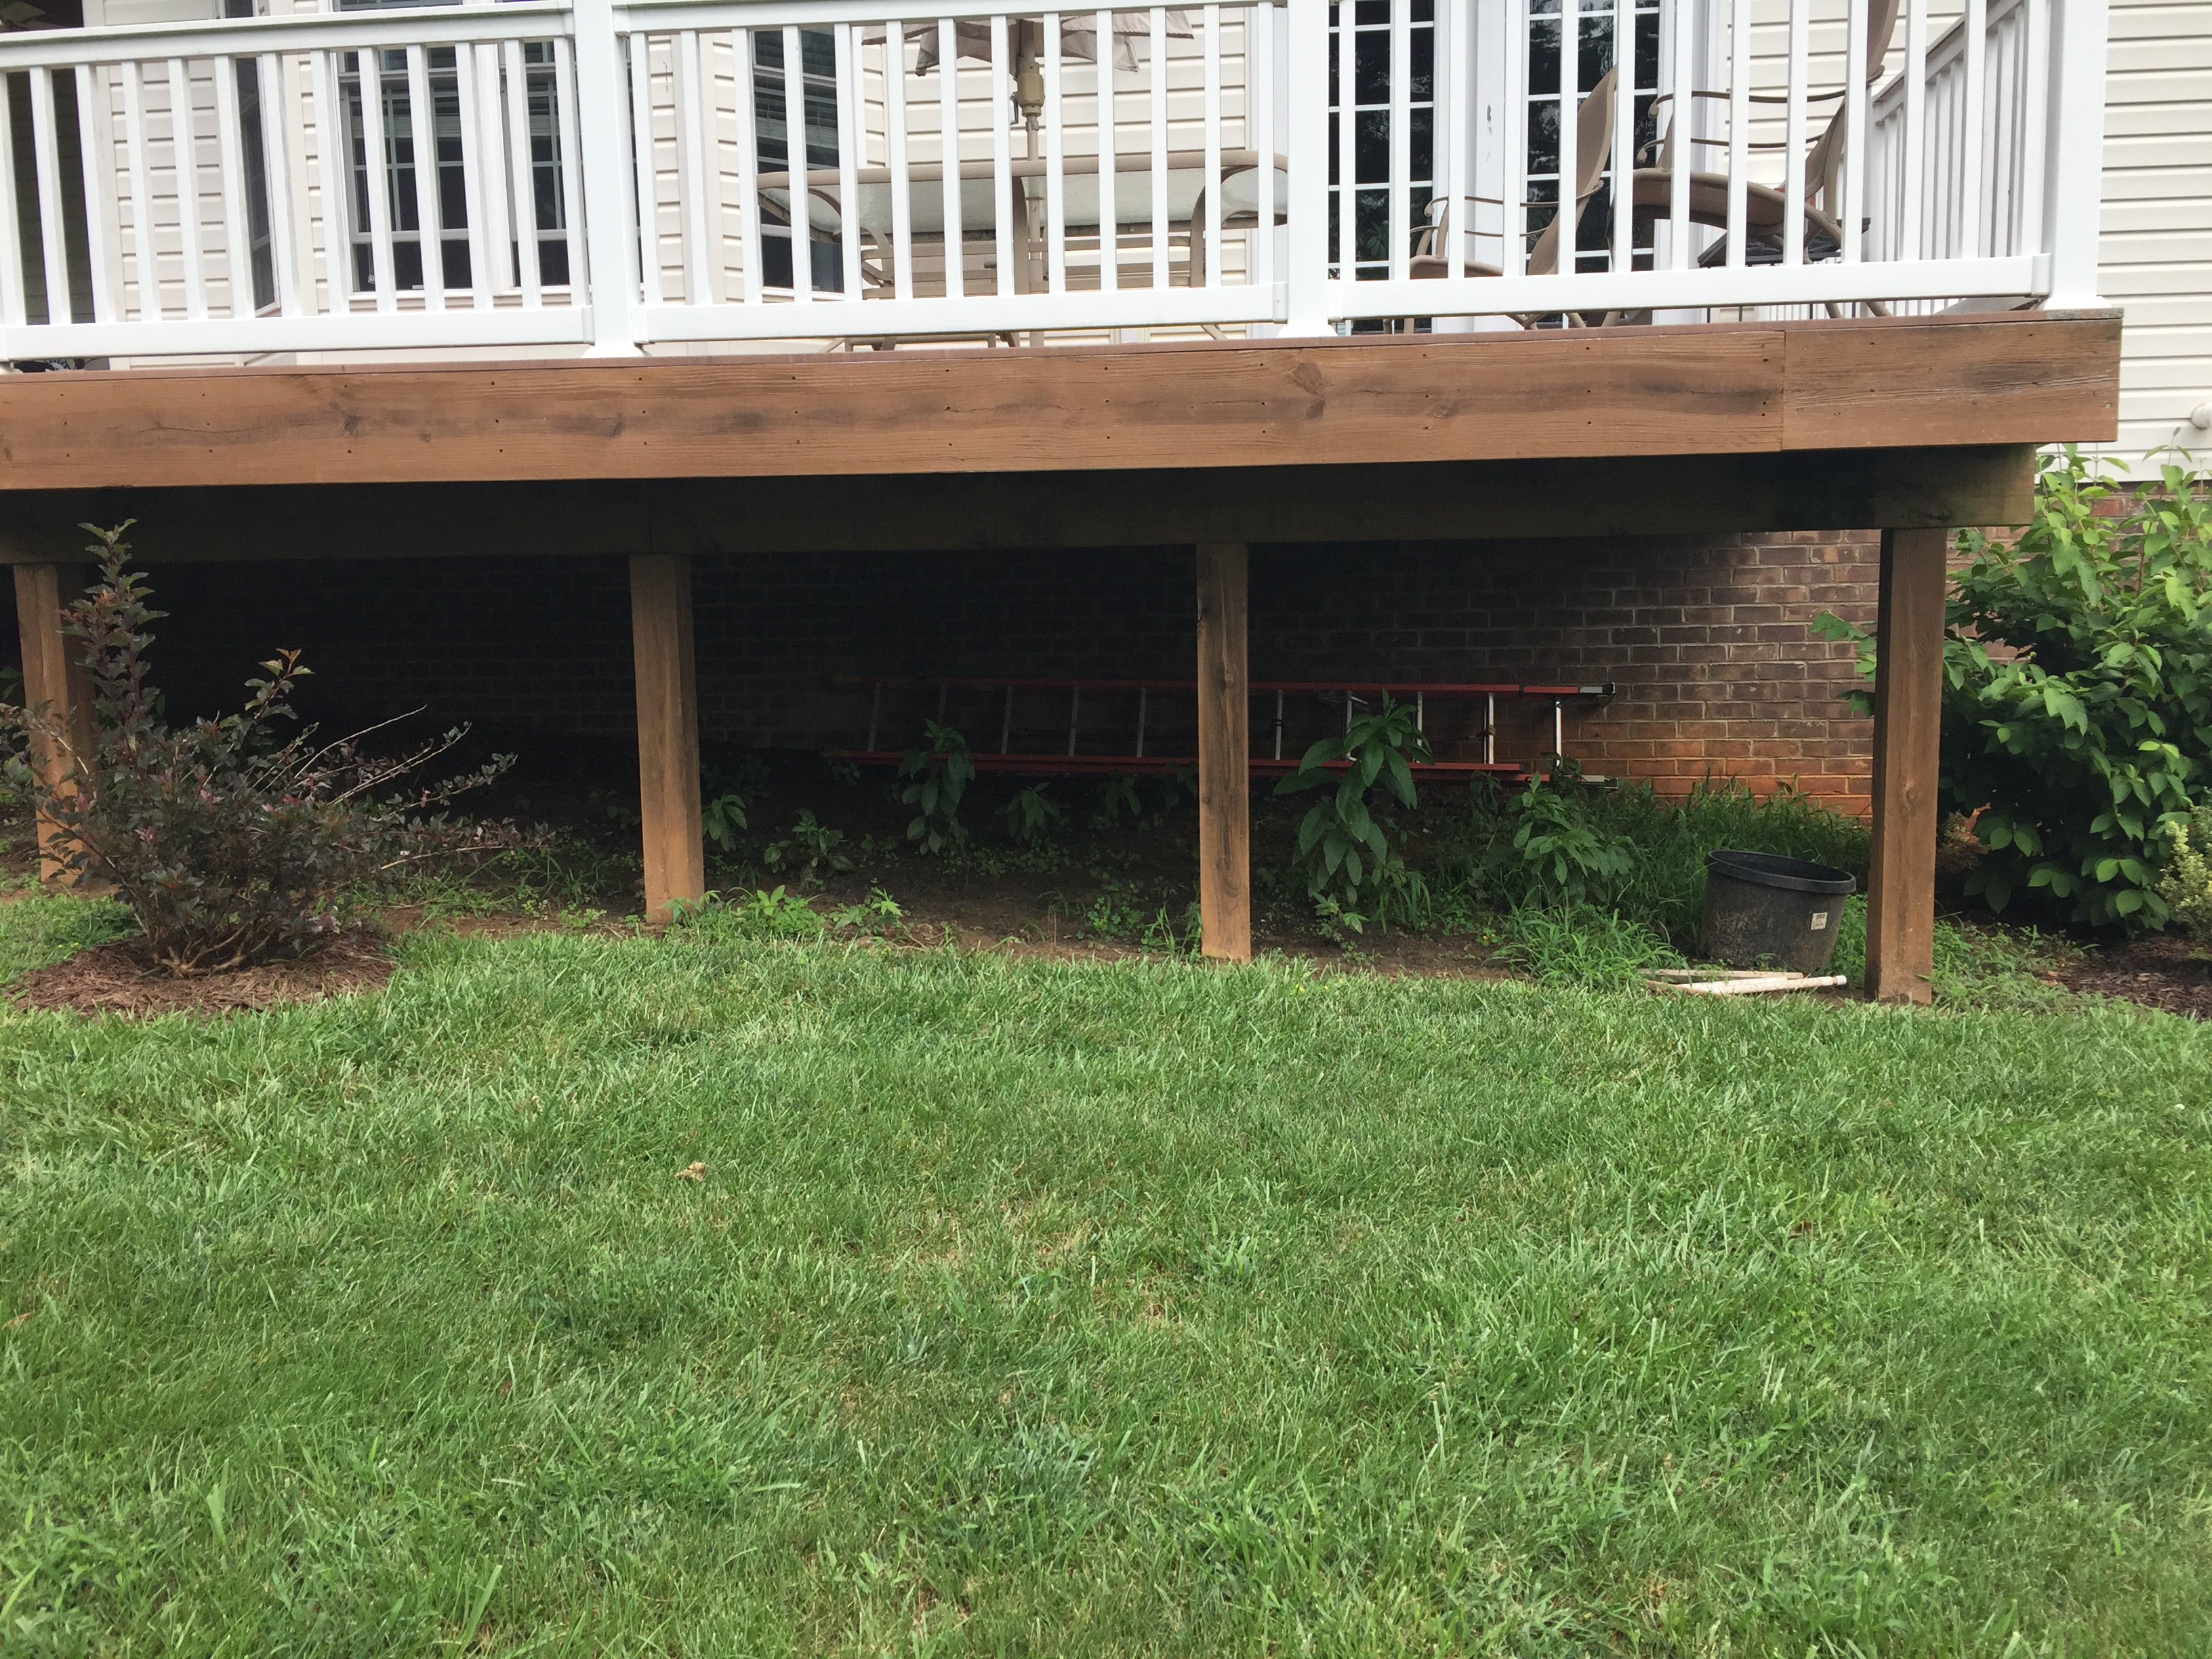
<point>1124,1309</point>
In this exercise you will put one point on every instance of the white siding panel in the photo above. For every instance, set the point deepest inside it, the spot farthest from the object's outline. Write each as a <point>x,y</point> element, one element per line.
<point>2156,252</point>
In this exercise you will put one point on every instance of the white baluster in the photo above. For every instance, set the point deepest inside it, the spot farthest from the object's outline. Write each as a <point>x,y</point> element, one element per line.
<point>1306,282</point>
<point>1002,161</point>
<point>1109,223</point>
<point>895,117</point>
<point>1794,137</point>
<point>423,129</point>
<point>97,171</point>
<point>1212,108</point>
<point>948,143</point>
<point>1055,161</point>
<point>523,173</point>
<point>848,152</point>
<point>1402,136</point>
<point>277,168</point>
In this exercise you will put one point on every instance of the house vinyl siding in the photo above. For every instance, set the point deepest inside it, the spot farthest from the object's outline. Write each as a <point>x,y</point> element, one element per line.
<point>2156,248</point>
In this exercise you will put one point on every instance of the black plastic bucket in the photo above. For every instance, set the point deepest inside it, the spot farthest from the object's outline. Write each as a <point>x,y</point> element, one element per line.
<point>1764,910</point>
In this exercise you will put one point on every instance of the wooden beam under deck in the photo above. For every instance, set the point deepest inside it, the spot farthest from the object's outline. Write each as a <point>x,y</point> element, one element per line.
<point>1449,501</point>
<point>1984,378</point>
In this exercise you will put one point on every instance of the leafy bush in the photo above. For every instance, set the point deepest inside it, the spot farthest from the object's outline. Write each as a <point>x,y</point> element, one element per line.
<point>936,775</point>
<point>2187,886</point>
<point>1347,857</point>
<point>228,846</point>
<point>2077,703</point>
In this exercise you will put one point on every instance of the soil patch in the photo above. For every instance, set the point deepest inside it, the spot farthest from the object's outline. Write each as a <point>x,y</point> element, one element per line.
<point>118,979</point>
<point>2160,972</point>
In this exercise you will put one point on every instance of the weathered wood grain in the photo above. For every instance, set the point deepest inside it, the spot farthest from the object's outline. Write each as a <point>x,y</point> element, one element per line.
<point>1225,745</point>
<point>667,731</point>
<point>1907,725</point>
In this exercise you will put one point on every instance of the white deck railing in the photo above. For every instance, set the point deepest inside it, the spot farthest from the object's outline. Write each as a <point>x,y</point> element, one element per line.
<point>614,177</point>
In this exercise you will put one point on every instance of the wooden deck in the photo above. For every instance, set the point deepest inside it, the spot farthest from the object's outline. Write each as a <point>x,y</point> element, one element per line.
<point>1910,425</point>
<point>1947,382</point>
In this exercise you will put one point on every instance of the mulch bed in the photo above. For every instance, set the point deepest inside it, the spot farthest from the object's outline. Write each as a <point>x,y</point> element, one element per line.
<point>117,979</point>
<point>2160,971</point>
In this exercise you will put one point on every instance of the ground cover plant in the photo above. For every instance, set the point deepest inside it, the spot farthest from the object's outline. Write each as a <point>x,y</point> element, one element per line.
<point>595,1292</point>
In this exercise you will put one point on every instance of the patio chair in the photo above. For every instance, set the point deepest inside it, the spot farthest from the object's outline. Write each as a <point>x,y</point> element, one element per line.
<point>1593,153</point>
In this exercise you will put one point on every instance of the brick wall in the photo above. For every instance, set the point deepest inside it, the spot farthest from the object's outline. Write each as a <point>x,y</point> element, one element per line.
<point>1708,640</point>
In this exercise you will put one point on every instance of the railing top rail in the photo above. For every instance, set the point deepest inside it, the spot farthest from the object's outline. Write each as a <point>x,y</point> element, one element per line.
<point>430,25</point>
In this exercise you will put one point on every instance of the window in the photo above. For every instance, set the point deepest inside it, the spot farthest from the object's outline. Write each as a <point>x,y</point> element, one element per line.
<point>1369,188</point>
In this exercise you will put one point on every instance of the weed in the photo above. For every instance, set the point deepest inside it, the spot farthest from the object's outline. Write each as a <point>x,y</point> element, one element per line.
<point>874,915</point>
<point>1117,799</point>
<point>1578,944</point>
<point>721,818</point>
<point>813,849</point>
<point>775,914</point>
<point>1347,858</point>
<point>937,775</point>
<point>1030,813</point>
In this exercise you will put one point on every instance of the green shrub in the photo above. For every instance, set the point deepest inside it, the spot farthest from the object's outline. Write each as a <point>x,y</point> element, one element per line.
<point>935,776</point>
<point>1347,857</point>
<point>2187,886</point>
<point>2077,703</point>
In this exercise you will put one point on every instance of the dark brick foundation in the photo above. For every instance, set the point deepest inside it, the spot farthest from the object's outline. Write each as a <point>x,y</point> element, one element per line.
<point>1709,641</point>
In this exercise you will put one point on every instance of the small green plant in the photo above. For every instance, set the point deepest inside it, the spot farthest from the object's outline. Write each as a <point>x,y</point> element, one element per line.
<point>812,849</point>
<point>1162,933</point>
<point>721,816</point>
<point>1117,799</point>
<point>935,776</point>
<point>776,914</point>
<point>1030,814</point>
<point>873,916</point>
<point>1341,844</point>
<point>1568,858</point>
<point>1114,913</point>
<point>2186,886</point>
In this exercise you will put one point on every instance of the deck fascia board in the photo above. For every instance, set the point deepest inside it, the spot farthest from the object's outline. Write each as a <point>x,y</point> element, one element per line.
<point>1983,379</point>
<point>1472,501</point>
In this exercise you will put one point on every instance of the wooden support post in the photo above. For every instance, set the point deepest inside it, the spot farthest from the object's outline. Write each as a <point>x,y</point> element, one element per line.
<point>1224,750</point>
<point>1907,726</point>
<point>667,731</point>
<point>52,675</point>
